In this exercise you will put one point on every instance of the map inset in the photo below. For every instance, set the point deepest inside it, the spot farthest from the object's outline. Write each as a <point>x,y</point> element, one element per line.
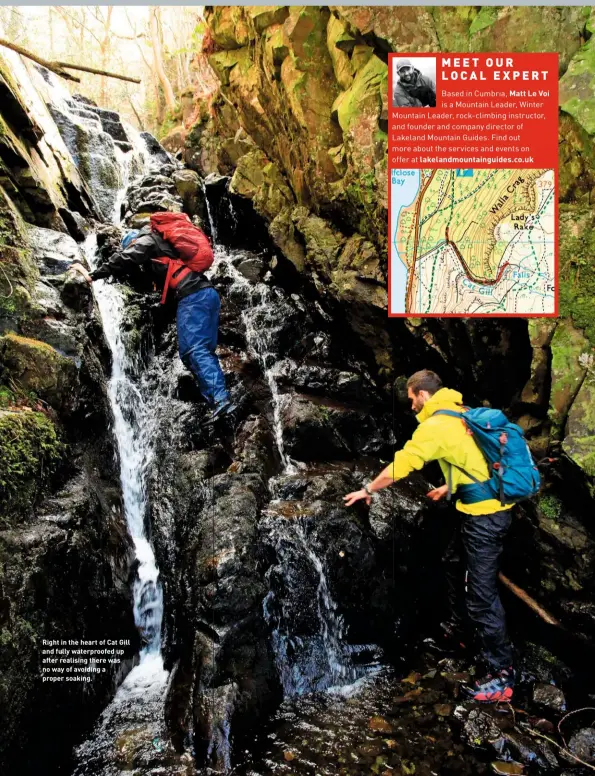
<point>473,242</point>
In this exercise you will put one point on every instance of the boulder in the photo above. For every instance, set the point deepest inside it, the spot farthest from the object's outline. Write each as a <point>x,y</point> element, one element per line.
<point>54,251</point>
<point>33,366</point>
<point>567,373</point>
<point>336,37</point>
<point>577,87</point>
<point>392,28</point>
<point>188,186</point>
<point>579,438</point>
<point>536,389</point>
<point>229,27</point>
<point>582,744</point>
<point>535,28</point>
<point>549,696</point>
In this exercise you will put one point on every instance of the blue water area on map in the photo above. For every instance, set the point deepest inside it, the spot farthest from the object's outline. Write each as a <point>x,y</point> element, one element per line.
<point>464,173</point>
<point>404,187</point>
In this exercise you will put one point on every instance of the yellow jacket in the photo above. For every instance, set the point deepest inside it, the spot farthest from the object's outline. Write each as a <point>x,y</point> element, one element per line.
<point>445,439</point>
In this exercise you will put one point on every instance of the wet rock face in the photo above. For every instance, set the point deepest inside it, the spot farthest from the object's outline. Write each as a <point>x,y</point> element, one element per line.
<point>61,518</point>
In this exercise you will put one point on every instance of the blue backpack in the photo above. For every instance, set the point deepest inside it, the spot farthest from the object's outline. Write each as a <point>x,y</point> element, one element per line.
<point>513,473</point>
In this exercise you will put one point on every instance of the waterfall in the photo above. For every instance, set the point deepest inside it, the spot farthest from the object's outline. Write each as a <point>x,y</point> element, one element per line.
<point>133,430</point>
<point>299,597</point>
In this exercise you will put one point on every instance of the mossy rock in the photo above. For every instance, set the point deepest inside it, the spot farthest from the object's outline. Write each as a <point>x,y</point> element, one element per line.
<point>453,25</point>
<point>285,236</point>
<point>223,62</point>
<point>305,33</point>
<point>392,27</point>
<point>229,27</point>
<point>35,367</point>
<point>260,180</point>
<point>361,56</point>
<point>568,347</point>
<point>310,96</point>
<point>30,452</point>
<point>577,87</point>
<point>577,268</point>
<point>264,16</point>
<point>529,29</point>
<point>579,441</point>
<point>363,99</point>
<point>576,157</point>
<point>248,176</point>
<point>323,243</point>
<point>337,31</point>
<point>276,48</point>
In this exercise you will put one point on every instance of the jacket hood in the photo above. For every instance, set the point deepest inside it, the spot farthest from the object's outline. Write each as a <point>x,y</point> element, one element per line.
<point>444,399</point>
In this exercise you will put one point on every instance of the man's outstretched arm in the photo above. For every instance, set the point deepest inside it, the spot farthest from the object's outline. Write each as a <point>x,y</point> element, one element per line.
<point>123,261</point>
<point>422,448</point>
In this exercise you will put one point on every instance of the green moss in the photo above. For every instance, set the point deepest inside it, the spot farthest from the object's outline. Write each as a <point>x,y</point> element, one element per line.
<point>364,95</point>
<point>7,397</point>
<point>485,18</point>
<point>577,280</point>
<point>36,367</point>
<point>30,452</point>
<point>18,272</point>
<point>577,87</point>
<point>551,506</point>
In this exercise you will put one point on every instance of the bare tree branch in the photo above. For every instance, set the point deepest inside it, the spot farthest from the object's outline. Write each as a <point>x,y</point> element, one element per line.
<point>55,67</point>
<point>531,602</point>
<point>58,67</point>
<point>96,71</point>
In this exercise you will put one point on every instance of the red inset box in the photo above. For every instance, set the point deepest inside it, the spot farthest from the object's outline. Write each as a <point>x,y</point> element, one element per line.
<point>470,233</point>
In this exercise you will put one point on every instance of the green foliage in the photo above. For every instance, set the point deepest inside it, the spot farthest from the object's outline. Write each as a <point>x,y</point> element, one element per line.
<point>550,506</point>
<point>577,281</point>
<point>170,121</point>
<point>485,18</point>
<point>30,452</point>
<point>7,397</point>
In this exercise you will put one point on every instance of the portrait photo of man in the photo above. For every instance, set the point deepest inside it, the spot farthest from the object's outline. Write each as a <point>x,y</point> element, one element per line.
<point>414,83</point>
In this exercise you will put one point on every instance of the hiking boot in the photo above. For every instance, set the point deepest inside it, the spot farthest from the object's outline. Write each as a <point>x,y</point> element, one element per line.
<point>224,410</point>
<point>493,688</point>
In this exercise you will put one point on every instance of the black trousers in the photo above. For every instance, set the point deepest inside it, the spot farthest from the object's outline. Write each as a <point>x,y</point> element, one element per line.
<point>475,547</point>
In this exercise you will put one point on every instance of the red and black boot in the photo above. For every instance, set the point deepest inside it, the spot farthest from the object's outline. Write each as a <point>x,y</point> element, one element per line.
<point>493,688</point>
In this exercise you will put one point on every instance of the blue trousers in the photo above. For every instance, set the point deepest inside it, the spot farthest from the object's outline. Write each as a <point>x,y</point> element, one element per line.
<point>198,323</point>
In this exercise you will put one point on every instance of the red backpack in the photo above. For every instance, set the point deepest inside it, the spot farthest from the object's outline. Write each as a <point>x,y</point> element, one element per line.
<point>189,242</point>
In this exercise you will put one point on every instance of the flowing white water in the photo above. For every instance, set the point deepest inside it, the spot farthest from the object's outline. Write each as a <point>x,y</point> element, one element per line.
<point>133,430</point>
<point>319,658</point>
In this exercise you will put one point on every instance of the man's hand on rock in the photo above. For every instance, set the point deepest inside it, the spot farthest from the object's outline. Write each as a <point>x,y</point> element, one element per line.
<point>357,495</point>
<point>438,493</point>
<point>78,267</point>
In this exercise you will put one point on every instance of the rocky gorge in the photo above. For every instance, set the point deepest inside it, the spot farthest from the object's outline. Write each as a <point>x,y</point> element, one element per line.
<point>278,603</point>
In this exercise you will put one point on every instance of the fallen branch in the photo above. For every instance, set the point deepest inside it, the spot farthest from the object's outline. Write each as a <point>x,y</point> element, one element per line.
<point>570,713</point>
<point>531,602</point>
<point>61,68</point>
<point>560,747</point>
<point>95,71</point>
<point>53,66</point>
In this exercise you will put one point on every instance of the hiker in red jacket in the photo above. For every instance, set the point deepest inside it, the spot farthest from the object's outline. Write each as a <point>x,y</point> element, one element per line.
<point>198,301</point>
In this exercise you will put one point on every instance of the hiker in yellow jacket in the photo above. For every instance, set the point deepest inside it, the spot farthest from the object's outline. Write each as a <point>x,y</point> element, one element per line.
<point>484,524</point>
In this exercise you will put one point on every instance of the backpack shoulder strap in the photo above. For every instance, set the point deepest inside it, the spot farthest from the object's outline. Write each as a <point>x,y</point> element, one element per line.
<point>451,413</point>
<point>454,414</point>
